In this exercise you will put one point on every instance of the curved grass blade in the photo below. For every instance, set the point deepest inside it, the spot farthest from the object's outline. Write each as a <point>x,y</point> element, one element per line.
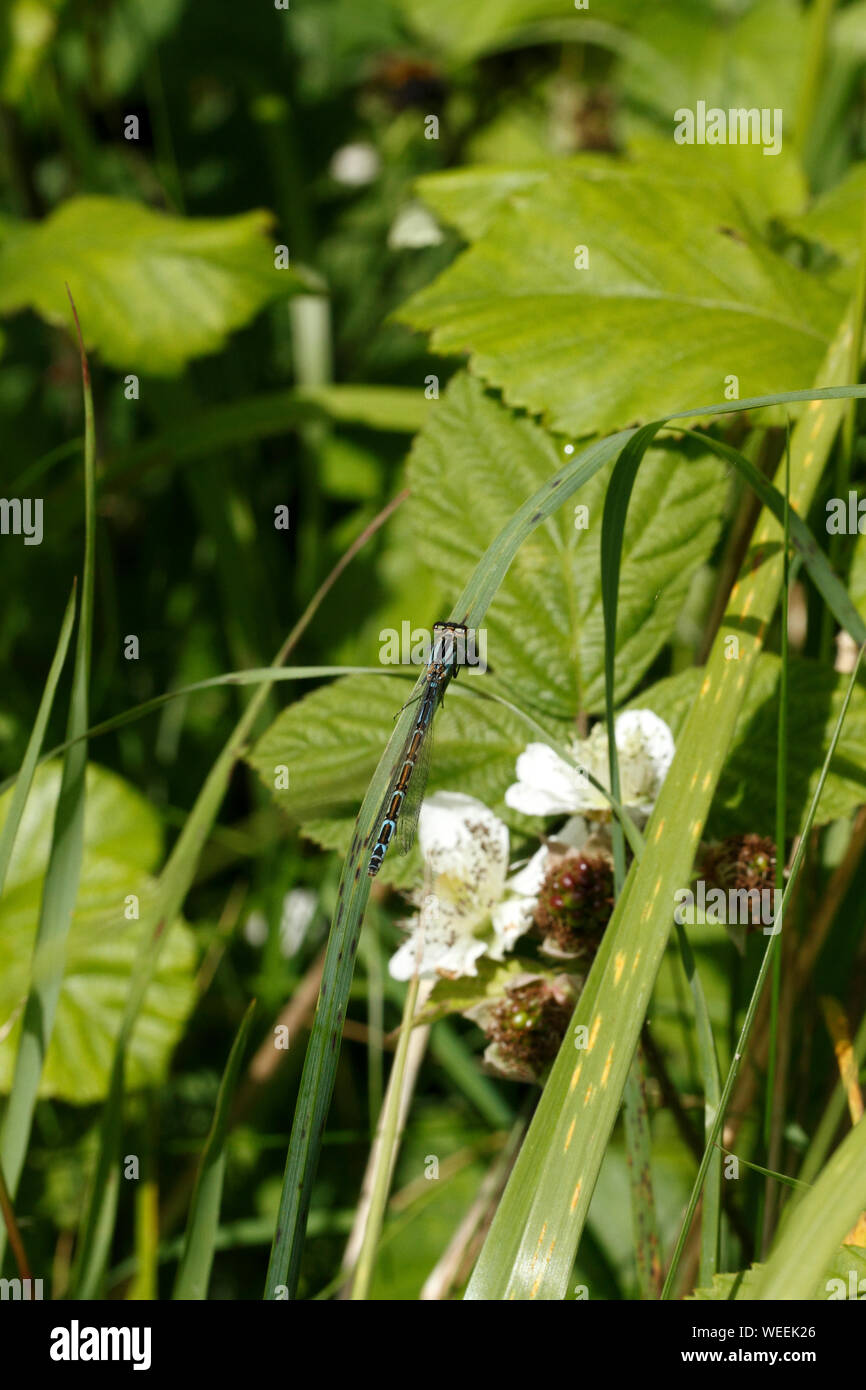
<point>193,1273</point>
<point>256,675</point>
<point>796,1183</point>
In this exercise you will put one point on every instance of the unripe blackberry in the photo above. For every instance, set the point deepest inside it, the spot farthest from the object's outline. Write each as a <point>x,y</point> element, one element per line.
<point>742,861</point>
<point>575,903</point>
<point>527,1026</point>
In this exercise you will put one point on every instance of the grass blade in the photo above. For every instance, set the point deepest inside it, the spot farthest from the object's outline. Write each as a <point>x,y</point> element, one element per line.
<point>387,1154</point>
<point>193,1274</point>
<point>24,779</point>
<point>772,1126</point>
<point>711,1211</point>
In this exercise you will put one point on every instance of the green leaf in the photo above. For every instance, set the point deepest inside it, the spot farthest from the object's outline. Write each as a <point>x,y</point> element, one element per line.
<point>152,291</point>
<point>668,308</point>
<point>857,580</point>
<point>469,199</point>
<point>739,1285</point>
<point>122,844</point>
<point>744,1287</point>
<point>745,799</point>
<point>545,628</point>
<point>765,187</point>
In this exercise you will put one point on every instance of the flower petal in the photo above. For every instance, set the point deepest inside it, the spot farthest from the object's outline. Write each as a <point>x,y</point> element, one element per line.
<point>446,950</point>
<point>646,748</point>
<point>546,785</point>
<point>466,848</point>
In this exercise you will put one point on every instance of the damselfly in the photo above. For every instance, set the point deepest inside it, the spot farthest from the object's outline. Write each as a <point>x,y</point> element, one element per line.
<point>402,803</point>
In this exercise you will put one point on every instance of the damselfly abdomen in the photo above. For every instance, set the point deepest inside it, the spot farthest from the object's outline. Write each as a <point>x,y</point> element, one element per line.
<point>410,769</point>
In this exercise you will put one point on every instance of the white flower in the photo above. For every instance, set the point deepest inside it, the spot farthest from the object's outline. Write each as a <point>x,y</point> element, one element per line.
<point>414,227</point>
<point>355,165</point>
<point>548,786</point>
<point>471,909</point>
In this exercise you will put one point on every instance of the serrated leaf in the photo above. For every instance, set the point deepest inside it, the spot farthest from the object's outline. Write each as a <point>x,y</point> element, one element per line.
<point>152,291</point>
<point>122,844</point>
<point>733,1286</point>
<point>470,198</point>
<point>547,333</point>
<point>469,471</point>
<point>849,1265</point>
<point>545,628</point>
<point>745,800</point>
<point>842,1274</point>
